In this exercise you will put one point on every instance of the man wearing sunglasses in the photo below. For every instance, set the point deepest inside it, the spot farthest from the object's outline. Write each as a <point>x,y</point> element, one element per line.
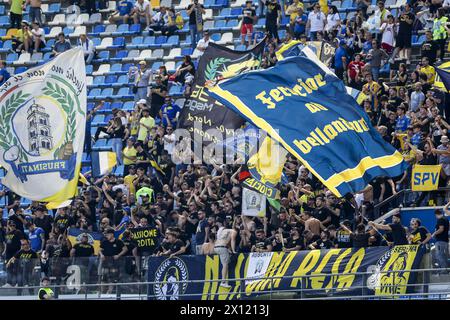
<point>316,22</point>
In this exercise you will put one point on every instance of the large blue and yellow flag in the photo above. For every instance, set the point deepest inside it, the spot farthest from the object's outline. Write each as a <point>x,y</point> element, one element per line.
<point>310,113</point>
<point>94,238</point>
<point>443,77</point>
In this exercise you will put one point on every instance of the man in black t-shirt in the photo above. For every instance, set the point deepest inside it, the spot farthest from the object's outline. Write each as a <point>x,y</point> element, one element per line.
<point>23,263</point>
<point>262,243</point>
<point>83,248</point>
<point>322,213</point>
<point>419,234</point>
<point>195,11</point>
<point>403,40</point>
<point>159,92</point>
<point>273,14</point>
<point>441,236</point>
<point>111,249</point>
<point>43,220</point>
<point>63,220</point>
<point>396,228</point>
<point>295,242</point>
<point>429,48</point>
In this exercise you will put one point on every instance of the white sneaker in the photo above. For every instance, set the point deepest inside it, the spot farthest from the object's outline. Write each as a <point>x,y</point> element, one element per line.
<point>225,285</point>
<point>7,285</point>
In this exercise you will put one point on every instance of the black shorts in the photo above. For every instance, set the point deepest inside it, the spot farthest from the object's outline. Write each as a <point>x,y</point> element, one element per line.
<point>403,41</point>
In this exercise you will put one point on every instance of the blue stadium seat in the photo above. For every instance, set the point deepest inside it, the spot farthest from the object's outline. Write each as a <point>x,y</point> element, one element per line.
<point>175,90</point>
<point>4,21</point>
<point>96,41</point>
<point>419,40</point>
<point>135,42</point>
<point>10,58</point>
<point>121,29</point>
<point>119,170</point>
<point>116,68</point>
<point>99,81</point>
<point>156,65</point>
<point>135,29</point>
<point>89,69</point>
<point>90,106</point>
<point>110,79</point>
<point>240,47</point>
<point>118,43</point>
<point>54,8</point>
<point>2,10</point>
<point>117,105</point>
<point>123,80</point>
<point>148,42</point>
<point>47,56</point>
<point>128,106</point>
<point>94,93</point>
<point>124,93</point>
<point>97,30</point>
<point>224,13</point>
<point>20,69</point>
<point>103,56</point>
<point>186,51</point>
<point>161,40</point>
<point>106,93</point>
<point>7,46</point>
<point>216,36</point>
<point>235,12</point>
<point>232,23</point>
<point>173,41</point>
<point>68,30</point>
<point>119,55</point>
<point>126,67</point>
<point>98,120</point>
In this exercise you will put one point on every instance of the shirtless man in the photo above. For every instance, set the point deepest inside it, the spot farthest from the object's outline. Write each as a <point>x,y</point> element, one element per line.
<point>226,238</point>
<point>35,11</point>
<point>312,224</point>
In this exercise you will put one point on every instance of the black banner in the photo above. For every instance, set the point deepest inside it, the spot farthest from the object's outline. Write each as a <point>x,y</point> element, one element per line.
<point>146,238</point>
<point>215,64</point>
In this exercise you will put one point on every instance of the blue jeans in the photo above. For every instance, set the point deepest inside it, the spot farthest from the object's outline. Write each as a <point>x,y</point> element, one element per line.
<point>375,73</point>
<point>261,8</point>
<point>35,15</point>
<point>441,248</point>
<point>313,35</point>
<point>195,35</point>
<point>117,148</point>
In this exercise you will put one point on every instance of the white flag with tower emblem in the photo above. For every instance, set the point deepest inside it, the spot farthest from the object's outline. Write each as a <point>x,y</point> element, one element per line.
<point>43,119</point>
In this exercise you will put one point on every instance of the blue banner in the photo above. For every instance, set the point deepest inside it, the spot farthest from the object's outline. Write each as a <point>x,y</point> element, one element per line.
<point>310,113</point>
<point>197,277</point>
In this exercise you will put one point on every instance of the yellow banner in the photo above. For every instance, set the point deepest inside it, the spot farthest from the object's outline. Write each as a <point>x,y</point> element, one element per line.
<point>425,178</point>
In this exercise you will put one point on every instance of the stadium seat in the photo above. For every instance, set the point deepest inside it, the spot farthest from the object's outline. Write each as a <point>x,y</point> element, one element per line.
<point>94,19</point>
<point>103,56</point>
<point>120,55</point>
<point>128,106</point>
<point>82,19</point>
<point>54,32</point>
<point>124,93</point>
<point>170,66</point>
<point>110,29</point>
<point>78,31</point>
<point>158,54</point>
<point>11,58</point>
<point>135,29</point>
<point>136,42</point>
<point>132,54</point>
<point>106,43</point>
<point>173,54</point>
<point>102,69</point>
<point>228,38</point>
<point>121,30</point>
<point>58,19</point>
<point>54,8</point>
<point>144,55</point>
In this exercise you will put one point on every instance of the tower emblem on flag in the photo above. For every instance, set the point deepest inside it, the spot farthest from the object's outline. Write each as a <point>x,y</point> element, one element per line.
<point>42,116</point>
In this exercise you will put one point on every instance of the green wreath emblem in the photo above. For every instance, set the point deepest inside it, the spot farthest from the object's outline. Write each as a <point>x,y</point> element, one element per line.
<point>213,66</point>
<point>68,105</point>
<point>8,139</point>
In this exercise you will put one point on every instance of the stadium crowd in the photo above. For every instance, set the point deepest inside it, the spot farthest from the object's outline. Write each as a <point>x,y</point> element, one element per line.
<point>197,208</point>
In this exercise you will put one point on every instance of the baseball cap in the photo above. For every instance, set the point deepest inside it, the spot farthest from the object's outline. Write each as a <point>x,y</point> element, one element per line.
<point>142,101</point>
<point>142,62</point>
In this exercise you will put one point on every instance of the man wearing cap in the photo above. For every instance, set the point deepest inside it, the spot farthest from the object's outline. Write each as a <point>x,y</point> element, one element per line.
<point>396,228</point>
<point>88,48</point>
<point>143,78</point>
<point>82,248</point>
<point>61,45</point>
<point>145,124</point>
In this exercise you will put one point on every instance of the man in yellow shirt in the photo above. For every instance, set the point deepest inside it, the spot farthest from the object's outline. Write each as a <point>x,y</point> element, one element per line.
<point>428,70</point>
<point>145,124</point>
<point>24,38</point>
<point>371,88</point>
<point>129,178</point>
<point>129,155</point>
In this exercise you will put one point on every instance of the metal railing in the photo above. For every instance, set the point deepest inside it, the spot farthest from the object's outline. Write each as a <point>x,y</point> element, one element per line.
<point>428,285</point>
